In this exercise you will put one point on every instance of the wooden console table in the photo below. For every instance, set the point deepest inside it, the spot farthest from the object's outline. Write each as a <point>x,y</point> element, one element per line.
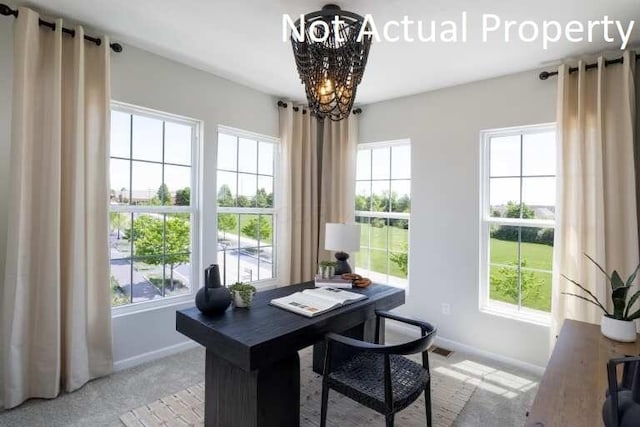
<point>572,390</point>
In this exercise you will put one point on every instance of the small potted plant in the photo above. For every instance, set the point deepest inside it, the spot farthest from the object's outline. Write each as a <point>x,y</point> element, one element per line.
<point>331,269</point>
<point>326,269</point>
<point>619,325</point>
<point>242,294</point>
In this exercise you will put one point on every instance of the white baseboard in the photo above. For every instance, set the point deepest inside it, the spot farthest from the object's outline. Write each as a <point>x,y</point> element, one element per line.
<point>464,348</point>
<point>394,326</point>
<point>139,359</point>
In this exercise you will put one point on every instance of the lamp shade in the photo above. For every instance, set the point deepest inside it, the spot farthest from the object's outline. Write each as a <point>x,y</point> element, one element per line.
<point>342,237</point>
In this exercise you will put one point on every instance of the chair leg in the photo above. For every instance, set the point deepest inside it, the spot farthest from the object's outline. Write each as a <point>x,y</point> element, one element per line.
<point>389,419</point>
<point>427,403</point>
<point>323,408</point>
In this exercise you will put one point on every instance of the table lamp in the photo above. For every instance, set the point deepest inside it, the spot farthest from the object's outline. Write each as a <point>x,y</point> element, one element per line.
<point>342,238</point>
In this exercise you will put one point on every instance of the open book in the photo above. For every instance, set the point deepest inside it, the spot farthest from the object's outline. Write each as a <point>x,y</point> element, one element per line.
<point>312,302</point>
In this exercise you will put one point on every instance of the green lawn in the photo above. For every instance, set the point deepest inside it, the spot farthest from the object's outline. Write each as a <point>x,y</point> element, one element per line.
<point>537,257</point>
<point>397,237</point>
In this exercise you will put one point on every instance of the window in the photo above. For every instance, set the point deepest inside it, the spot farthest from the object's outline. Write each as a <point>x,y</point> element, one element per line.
<point>518,216</point>
<point>246,206</point>
<point>153,205</point>
<point>383,203</point>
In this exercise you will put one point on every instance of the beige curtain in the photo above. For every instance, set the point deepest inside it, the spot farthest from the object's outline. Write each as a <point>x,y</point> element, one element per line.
<point>318,159</point>
<point>596,211</point>
<point>339,151</point>
<point>299,172</point>
<point>56,307</point>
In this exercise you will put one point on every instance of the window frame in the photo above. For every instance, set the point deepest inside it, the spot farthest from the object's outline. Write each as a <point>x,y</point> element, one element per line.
<point>486,304</point>
<point>275,211</point>
<point>388,215</point>
<point>196,277</point>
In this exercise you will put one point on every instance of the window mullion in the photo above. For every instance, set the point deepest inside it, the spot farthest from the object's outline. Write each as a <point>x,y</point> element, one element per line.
<point>520,228</point>
<point>255,210</point>
<point>131,239</point>
<point>162,211</point>
<point>388,220</point>
<point>522,224</point>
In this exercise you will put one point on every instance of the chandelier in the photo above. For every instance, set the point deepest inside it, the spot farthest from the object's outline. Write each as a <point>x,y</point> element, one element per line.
<point>330,57</point>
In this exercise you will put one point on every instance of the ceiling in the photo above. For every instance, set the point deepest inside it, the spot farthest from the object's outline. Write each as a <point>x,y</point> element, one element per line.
<point>242,40</point>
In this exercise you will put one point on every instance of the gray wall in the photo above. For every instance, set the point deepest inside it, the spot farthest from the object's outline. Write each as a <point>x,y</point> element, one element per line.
<point>150,81</point>
<point>444,128</point>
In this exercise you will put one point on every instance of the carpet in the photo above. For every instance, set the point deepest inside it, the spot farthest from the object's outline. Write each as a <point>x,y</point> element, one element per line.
<point>449,394</point>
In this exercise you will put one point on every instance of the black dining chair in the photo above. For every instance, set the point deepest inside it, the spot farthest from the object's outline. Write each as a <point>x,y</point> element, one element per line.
<point>379,376</point>
<point>622,406</point>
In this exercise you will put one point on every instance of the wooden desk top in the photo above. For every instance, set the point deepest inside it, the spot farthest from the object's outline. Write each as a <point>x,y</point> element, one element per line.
<point>572,390</point>
<point>257,337</point>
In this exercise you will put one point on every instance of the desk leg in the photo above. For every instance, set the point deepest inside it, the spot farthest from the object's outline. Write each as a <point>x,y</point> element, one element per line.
<point>268,397</point>
<point>365,331</point>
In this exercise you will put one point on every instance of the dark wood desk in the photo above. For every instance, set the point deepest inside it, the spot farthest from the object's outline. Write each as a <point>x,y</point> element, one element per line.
<point>252,366</point>
<point>572,390</point>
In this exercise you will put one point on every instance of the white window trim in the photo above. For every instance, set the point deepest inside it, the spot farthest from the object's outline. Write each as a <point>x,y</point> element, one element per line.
<point>195,209</point>
<point>275,281</point>
<point>390,215</point>
<point>486,304</point>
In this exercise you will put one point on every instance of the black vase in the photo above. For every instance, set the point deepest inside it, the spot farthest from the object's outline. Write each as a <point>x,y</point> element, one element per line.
<point>213,297</point>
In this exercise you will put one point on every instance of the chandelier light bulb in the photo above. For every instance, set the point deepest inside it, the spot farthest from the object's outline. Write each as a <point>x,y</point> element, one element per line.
<point>331,48</point>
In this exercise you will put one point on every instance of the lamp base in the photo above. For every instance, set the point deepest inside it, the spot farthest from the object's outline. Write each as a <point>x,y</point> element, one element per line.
<point>342,264</point>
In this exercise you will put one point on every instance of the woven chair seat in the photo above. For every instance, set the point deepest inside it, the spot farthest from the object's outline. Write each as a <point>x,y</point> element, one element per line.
<point>362,379</point>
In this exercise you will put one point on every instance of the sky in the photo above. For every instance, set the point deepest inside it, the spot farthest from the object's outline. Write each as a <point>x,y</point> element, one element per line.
<point>147,145</point>
<point>384,169</point>
<point>387,168</point>
<point>255,164</point>
<point>538,169</point>
<point>378,169</point>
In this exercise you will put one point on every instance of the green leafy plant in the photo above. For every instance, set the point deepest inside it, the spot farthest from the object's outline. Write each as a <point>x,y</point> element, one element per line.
<point>245,290</point>
<point>401,259</point>
<point>619,290</point>
<point>183,197</point>
<point>118,294</point>
<point>505,279</point>
<point>328,264</point>
<point>227,222</point>
<point>257,228</point>
<point>158,243</point>
<point>164,196</point>
<point>118,221</point>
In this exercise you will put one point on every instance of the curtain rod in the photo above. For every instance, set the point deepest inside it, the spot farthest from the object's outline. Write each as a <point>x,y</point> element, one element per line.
<point>7,11</point>
<point>546,74</point>
<point>304,111</point>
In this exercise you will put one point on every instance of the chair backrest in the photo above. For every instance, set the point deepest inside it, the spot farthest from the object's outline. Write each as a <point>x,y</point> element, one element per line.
<point>634,374</point>
<point>416,346</point>
<point>630,381</point>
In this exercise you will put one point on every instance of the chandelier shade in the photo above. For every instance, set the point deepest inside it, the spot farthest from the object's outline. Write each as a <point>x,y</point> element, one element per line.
<point>331,56</point>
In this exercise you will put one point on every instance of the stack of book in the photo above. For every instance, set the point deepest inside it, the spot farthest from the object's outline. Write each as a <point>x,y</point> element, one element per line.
<point>334,282</point>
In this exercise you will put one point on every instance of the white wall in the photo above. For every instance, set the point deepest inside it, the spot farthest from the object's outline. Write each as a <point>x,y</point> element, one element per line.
<point>141,78</point>
<point>444,128</point>
<point>147,80</point>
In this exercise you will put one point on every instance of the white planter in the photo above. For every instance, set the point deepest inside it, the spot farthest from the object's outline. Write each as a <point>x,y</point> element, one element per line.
<point>618,330</point>
<point>238,302</point>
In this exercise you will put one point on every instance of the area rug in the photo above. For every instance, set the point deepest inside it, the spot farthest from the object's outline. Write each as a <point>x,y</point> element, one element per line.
<point>449,395</point>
